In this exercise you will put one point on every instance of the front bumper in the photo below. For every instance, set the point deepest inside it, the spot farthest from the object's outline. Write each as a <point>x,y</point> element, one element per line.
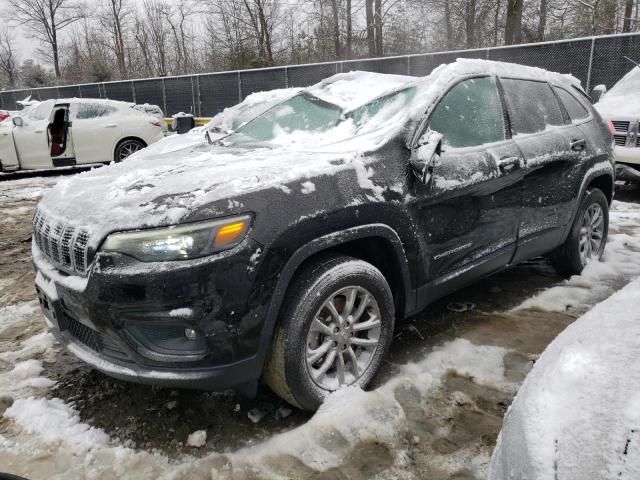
<point>628,173</point>
<point>128,318</point>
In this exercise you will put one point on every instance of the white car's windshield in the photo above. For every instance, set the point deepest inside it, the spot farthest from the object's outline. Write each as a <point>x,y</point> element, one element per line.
<point>630,83</point>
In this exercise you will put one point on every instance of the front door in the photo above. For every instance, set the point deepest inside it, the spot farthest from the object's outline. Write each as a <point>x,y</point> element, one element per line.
<point>31,138</point>
<point>469,211</point>
<point>59,134</point>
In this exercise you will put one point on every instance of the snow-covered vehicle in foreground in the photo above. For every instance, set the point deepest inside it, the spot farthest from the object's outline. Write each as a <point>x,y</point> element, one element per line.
<point>577,414</point>
<point>76,131</point>
<point>287,249</point>
<point>621,106</point>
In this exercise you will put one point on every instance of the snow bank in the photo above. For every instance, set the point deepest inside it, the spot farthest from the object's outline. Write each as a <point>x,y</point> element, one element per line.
<point>621,262</point>
<point>350,417</point>
<point>577,414</point>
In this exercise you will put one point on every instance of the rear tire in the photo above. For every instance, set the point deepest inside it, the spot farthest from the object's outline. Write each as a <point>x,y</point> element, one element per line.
<point>340,310</point>
<point>126,148</point>
<point>588,235</point>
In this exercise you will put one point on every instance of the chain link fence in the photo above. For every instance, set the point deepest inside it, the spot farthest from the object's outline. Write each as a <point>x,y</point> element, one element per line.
<point>593,60</point>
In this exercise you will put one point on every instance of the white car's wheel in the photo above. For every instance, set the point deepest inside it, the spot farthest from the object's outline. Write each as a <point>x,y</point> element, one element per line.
<point>127,148</point>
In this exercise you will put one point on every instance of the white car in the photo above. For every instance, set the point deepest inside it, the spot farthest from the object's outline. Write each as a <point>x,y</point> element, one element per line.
<point>621,106</point>
<point>67,132</point>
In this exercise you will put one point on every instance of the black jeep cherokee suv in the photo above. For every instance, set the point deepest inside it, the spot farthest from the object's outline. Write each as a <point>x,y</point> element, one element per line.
<point>287,248</point>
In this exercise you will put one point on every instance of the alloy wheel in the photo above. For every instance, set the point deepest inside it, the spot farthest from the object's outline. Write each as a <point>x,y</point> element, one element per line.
<point>343,338</point>
<point>128,149</point>
<point>591,233</point>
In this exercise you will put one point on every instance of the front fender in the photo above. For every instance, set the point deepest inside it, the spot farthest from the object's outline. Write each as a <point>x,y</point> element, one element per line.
<point>320,244</point>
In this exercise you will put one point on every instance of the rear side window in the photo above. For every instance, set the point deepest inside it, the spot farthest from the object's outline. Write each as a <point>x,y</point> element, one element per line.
<point>573,106</point>
<point>86,111</point>
<point>470,114</point>
<point>532,105</point>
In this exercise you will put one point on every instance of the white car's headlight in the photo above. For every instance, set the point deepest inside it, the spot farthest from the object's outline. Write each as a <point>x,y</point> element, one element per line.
<point>180,242</point>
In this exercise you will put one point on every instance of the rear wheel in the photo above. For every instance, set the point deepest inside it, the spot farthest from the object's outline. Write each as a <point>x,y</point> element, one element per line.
<point>588,235</point>
<point>127,148</point>
<point>335,330</point>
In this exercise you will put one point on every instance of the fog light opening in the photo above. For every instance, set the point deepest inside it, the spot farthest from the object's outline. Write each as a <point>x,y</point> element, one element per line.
<point>190,334</point>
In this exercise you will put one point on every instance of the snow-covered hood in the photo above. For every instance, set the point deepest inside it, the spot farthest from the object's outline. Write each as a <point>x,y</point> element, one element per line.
<point>185,185</point>
<point>623,100</point>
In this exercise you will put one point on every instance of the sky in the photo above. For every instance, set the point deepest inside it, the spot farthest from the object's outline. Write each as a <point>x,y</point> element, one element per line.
<point>26,46</point>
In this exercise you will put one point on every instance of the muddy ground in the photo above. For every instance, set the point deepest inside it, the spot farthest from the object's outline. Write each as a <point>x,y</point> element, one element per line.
<point>462,418</point>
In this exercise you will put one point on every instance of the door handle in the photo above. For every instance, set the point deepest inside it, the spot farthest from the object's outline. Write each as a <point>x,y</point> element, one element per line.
<point>506,164</point>
<point>578,145</point>
<point>111,125</point>
<point>39,131</point>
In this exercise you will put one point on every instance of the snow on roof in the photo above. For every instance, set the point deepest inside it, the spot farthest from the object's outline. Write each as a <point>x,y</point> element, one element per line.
<point>623,100</point>
<point>577,414</point>
<point>352,89</point>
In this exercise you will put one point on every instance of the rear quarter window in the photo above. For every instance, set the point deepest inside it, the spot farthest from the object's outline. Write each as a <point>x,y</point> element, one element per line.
<point>532,105</point>
<point>575,109</point>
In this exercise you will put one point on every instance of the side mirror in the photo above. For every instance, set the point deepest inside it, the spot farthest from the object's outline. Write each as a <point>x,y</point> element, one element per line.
<point>425,155</point>
<point>17,121</point>
<point>597,92</point>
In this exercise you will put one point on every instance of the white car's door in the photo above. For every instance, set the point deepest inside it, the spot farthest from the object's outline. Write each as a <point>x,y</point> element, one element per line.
<point>8,156</point>
<point>95,130</point>
<point>31,138</point>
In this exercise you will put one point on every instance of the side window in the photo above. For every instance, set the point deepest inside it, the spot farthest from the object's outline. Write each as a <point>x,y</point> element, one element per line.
<point>574,107</point>
<point>86,111</point>
<point>532,105</point>
<point>470,114</point>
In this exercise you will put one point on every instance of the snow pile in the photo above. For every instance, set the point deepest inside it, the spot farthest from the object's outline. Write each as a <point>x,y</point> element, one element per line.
<point>351,418</point>
<point>620,263</point>
<point>577,415</point>
<point>623,98</point>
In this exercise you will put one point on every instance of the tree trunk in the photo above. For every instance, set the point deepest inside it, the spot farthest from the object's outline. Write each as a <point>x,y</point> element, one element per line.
<point>496,19</point>
<point>336,28</point>
<point>349,31</point>
<point>628,11</point>
<point>447,24</point>
<point>378,22</point>
<point>542,24</point>
<point>371,42</point>
<point>470,22</point>
<point>513,27</point>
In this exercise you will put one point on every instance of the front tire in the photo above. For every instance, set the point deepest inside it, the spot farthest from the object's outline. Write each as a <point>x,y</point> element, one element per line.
<point>335,330</point>
<point>588,235</point>
<point>127,148</point>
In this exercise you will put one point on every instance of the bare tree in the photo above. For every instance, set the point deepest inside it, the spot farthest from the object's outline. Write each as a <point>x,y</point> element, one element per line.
<point>8,58</point>
<point>513,27</point>
<point>45,19</point>
<point>113,18</point>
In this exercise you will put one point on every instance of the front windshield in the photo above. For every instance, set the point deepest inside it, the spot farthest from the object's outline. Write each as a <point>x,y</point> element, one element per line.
<point>301,113</point>
<point>384,107</point>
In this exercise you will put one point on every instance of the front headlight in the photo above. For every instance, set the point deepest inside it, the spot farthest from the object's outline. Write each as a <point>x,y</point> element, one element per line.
<point>180,242</point>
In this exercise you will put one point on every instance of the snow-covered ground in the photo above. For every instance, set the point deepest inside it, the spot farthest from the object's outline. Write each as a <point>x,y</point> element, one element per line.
<point>435,412</point>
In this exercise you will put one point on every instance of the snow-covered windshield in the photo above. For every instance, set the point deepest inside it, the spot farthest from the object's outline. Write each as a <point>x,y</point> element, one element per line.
<point>303,112</point>
<point>630,83</point>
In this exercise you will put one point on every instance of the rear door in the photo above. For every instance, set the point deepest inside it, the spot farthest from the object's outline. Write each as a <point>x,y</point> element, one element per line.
<point>95,129</point>
<point>31,138</point>
<point>470,210</point>
<point>552,147</point>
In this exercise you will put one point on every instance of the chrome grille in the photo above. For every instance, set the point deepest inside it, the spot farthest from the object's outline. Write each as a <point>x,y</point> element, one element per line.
<point>621,140</point>
<point>620,125</point>
<point>66,246</point>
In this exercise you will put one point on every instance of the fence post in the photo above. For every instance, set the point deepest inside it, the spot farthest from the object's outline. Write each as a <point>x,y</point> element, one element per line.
<point>286,77</point>
<point>593,43</point>
<point>164,97</point>
<point>239,87</point>
<point>133,92</point>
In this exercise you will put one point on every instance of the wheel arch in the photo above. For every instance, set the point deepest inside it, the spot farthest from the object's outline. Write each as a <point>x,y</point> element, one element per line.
<point>377,244</point>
